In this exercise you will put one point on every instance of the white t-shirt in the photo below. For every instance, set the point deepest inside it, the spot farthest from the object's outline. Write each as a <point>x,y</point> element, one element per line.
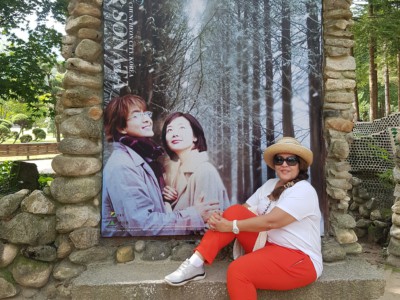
<point>301,202</point>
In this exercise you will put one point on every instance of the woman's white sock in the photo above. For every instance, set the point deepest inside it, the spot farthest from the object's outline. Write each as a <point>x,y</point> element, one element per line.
<point>196,260</point>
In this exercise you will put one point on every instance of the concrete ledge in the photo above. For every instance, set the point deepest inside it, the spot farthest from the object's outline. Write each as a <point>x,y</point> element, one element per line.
<point>351,279</point>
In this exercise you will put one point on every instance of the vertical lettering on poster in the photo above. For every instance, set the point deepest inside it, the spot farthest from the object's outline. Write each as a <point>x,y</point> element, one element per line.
<point>118,46</point>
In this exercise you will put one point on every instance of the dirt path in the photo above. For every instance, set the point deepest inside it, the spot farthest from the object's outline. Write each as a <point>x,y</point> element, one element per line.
<point>376,255</point>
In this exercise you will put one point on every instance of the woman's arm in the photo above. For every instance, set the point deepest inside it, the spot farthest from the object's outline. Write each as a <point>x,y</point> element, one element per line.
<point>277,218</point>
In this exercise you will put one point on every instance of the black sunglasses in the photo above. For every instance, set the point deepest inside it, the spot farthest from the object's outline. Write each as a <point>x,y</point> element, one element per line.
<point>291,160</point>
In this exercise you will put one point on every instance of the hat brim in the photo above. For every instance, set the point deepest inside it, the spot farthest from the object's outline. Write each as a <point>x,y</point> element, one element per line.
<point>298,150</point>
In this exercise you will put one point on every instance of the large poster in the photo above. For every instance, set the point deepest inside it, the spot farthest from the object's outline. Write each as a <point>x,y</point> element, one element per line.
<point>194,91</point>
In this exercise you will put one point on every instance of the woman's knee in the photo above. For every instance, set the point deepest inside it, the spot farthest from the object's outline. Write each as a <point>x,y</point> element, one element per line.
<point>232,272</point>
<point>234,212</point>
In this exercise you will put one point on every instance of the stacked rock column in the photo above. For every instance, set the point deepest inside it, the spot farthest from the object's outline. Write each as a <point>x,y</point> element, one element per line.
<point>77,186</point>
<point>394,244</point>
<point>339,86</point>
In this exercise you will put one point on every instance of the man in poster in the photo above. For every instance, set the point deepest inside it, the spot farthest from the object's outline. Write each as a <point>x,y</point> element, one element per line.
<point>132,179</point>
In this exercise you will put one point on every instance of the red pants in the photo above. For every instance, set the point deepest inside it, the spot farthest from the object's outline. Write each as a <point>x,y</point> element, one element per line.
<point>271,268</point>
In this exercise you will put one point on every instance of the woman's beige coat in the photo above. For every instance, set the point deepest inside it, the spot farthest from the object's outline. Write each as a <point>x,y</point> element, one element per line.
<point>196,177</point>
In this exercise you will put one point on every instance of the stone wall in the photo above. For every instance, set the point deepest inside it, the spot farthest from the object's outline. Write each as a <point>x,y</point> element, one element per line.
<point>394,245</point>
<point>339,85</point>
<point>48,238</point>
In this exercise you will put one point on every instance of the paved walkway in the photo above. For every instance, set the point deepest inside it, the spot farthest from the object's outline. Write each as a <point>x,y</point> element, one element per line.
<point>392,288</point>
<point>43,165</point>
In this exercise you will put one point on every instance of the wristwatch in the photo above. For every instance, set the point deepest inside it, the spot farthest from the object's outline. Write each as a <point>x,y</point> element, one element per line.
<point>235,229</point>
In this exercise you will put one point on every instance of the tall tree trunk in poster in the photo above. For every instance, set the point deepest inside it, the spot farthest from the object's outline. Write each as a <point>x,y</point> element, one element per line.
<point>142,82</point>
<point>315,105</point>
<point>246,107</point>
<point>226,108</point>
<point>239,104</point>
<point>148,46</point>
<point>219,113</point>
<point>287,114</point>
<point>136,82</point>
<point>255,120</point>
<point>269,74</point>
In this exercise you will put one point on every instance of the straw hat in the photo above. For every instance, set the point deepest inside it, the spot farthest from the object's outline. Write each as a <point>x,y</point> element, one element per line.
<point>287,145</point>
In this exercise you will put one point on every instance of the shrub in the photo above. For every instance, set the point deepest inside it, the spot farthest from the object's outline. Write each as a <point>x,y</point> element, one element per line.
<point>44,180</point>
<point>22,120</point>
<point>5,133</point>
<point>6,123</point>
<point>14,134</point>
<point>26,138</point>
<point>39,134</point>
<point>6,177</point>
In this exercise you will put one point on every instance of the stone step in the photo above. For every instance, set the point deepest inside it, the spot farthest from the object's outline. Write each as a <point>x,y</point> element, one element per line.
<point>352,279</point>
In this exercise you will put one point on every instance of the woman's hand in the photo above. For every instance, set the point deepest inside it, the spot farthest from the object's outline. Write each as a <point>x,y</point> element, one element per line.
<point>218,223</point>
<point>206,209</point>
<point>169,194</point>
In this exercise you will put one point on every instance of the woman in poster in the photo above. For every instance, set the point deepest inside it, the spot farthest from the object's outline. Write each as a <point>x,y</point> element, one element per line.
<point>133,178</point>
<point>189,173</point>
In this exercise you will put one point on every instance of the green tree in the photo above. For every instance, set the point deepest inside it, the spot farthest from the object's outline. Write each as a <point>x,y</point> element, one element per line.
<point>23,121</point>
<point>4,133</point>
<point>376,33</point>
<point>13,13</point>
<point>5,130</point>
<point>6,123</point>
<point>28,64</point>
<point>39,134</point>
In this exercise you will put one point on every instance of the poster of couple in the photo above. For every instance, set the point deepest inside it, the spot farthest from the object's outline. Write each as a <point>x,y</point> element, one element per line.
<point>194,91</point>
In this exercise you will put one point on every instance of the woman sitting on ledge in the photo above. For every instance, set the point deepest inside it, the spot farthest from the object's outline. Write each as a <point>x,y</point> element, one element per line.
<point>286,208</point>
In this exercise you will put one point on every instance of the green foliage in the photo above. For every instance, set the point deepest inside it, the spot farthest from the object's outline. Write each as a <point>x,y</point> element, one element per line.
<point>5,133</point>
<point>14,135</point>
<point>384,27</point>
<point>39,134</point>
<point>380,152</point>
<point>14,13</point>
<point>6,177</point>
<point>394,131</point>
<point>23,121</point>
<point>10,108</point>
<point>44,180</point>
<point>6,123</point>
<point>27,65</point>
<point>387,179</point>
<point>26,138</point>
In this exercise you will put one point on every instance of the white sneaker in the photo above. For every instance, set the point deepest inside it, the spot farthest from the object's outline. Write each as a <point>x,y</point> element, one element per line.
<point>185,273</point>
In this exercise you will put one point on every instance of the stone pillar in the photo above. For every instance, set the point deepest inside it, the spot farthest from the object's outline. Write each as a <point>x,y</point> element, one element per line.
<point>338,112</point>
<point>77,186</point>
<point>394,244</point>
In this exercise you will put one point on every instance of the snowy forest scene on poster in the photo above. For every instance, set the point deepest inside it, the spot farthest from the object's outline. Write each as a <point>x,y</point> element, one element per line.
<point>231,76</point>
